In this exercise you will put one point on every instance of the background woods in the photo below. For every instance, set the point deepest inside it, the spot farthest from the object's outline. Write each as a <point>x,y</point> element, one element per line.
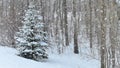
<point>87,27</point>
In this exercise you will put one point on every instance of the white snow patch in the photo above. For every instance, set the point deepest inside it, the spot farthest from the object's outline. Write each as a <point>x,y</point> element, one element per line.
<point>43,44</point>
<point>9,59</point>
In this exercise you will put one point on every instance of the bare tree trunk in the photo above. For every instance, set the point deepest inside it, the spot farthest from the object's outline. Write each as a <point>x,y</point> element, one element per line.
<point>65,22</point>
<point>103,37</point>
<point>113,31</point>
<point>12,18</point>
<point>90,21</point>
<point>76,50</point>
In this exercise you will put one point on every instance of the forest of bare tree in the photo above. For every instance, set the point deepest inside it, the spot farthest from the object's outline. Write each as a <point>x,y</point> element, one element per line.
<point>91,27</point>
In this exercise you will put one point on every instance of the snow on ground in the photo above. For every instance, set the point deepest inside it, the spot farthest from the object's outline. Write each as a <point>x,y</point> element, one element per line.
<point>9,59</point>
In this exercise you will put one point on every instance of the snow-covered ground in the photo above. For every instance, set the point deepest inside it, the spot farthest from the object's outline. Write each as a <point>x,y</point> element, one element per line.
<point>9,59</point>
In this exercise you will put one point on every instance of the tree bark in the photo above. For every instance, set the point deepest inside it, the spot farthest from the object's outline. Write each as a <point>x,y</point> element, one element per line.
<point>103,36</point>
<point>65,22</point>
<point>76,50</point>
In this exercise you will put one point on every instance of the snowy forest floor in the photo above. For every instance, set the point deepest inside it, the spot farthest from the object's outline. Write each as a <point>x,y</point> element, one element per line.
<point>9,59</point>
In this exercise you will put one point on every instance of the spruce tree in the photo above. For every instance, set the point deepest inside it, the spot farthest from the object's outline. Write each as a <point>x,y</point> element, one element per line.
<point>31,38</point>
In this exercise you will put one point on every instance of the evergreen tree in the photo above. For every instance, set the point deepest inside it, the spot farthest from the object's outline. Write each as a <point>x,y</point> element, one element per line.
<point>31,37</point>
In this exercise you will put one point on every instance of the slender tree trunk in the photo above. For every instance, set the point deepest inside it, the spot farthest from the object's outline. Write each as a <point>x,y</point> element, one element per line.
<point>113,31</point>
<point>65,22</point>
<point>90,21</point>
<point>76,50</point>
<point>103,36</point>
